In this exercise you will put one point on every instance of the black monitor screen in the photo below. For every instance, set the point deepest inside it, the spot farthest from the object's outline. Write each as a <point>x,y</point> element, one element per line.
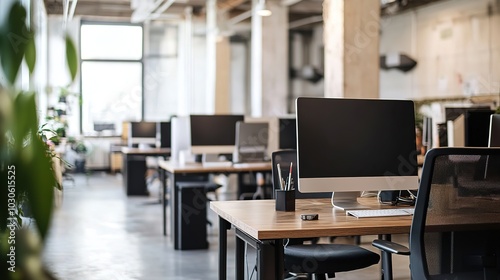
<point>356,137</point>
<point>477,127</point>
<point>451,113</point>
<point>143,129</point>
<point>104,126</point>
<point>288,134</point>
<point>165,136</point>
<point>214,130</point>
<point>495,131</point>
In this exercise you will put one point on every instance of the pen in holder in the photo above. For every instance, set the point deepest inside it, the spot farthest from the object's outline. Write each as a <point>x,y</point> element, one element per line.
<point>285,200</point>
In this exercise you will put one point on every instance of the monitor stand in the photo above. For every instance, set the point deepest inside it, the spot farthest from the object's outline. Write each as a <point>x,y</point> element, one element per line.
<point>213,160</point>
<point>347,201</point>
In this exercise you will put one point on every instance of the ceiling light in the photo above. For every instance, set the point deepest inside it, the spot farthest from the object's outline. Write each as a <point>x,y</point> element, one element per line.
<point>385,2</point>
<point>262,10</point>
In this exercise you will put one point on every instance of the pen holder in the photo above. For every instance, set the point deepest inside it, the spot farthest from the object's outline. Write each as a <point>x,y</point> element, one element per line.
<point>285,200</point>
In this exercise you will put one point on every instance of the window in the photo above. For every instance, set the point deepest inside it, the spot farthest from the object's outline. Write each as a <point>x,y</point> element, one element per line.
<point>160,72</point>
<point>111,73</point>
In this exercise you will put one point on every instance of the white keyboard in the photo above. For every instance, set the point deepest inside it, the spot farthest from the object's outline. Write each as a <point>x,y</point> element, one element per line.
<point>217,164</point>
<point>251,164</point>
<point>381,212</point>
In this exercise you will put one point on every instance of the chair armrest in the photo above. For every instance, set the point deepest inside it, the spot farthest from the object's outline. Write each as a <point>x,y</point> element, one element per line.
<point>391,247</point>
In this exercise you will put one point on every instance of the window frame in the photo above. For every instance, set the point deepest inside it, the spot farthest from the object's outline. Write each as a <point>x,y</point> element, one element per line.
<point>141,61</point>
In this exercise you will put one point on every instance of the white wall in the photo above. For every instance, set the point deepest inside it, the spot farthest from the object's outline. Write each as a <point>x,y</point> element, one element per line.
<point>58,73</point>
<point>4,9</point>
<point>456,45</point>
<point>39,78</point>
<point>160,71</point>
<point>37,81</point>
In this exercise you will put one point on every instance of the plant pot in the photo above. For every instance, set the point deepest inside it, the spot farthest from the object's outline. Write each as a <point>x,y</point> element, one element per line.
<point>80,165</point>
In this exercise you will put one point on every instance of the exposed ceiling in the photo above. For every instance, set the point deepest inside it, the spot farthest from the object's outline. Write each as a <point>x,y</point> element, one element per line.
<point>299,9</point>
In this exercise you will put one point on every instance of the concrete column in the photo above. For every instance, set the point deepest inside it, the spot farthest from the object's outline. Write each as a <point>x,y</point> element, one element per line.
<point>211,55</point>
<point>223,76</point>
<point>351,36</point>
<point>269,60</point>
<point>185,63</point>
<point>218,61</point>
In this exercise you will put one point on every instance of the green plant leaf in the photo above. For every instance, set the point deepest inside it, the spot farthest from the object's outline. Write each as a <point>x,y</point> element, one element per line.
<point>4,211</point>
<point>71,57</point>
<point>30,54</point>
<point>41,186</point>
<point>25,118</point>
<point>14,43</point>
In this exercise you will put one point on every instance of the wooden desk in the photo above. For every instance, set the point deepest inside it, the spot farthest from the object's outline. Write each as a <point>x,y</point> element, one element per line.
<point>145,152</point>
<point>134,168</point>
<point>259,224</point>
<point>193,172</point>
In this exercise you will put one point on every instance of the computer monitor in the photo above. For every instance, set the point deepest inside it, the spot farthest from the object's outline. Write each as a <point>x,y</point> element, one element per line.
<point>164,134</point>
<point>99,127</point>
<point>142,133</point>
<point>451,113</point>
<point>287,133</point>
<point>251,142</point>
<point>494,133</point>
<point>350,145</point>
<point>213,134</point>
<point>477,127</point>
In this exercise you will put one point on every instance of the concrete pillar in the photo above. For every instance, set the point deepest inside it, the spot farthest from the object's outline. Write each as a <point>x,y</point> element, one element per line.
<point>185,63</point>
<point>269,60</point>
<point>351,36</point>
<point>223,76</point>
<point>211,55</point>
<point>218,61</point>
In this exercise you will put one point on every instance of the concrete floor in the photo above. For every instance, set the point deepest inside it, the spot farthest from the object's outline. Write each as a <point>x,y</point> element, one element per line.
<point>100,233</point>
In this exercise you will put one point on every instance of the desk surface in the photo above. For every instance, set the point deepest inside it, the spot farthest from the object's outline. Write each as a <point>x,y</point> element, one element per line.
<point>259,219</point>
<point>198,168</point>
<point>149,151</point>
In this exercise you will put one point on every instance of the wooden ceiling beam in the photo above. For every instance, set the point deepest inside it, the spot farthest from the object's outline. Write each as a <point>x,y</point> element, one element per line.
<point>228,5</point>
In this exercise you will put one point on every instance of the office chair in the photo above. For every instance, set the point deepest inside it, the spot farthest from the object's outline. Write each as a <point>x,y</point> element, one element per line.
<point>317,259</point>
<point>455,232</point>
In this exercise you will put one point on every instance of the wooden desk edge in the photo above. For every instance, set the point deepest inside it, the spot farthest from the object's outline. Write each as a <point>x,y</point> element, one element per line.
<point>198,168</point>
<point>399,228</point>
<point>152,151</point>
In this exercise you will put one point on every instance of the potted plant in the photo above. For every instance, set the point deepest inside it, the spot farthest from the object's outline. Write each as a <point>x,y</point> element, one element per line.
<point>80,149</point>
<point>26,170</point>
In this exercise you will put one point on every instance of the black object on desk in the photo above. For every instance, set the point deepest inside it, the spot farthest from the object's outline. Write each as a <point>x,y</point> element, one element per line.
<point>285,200</point>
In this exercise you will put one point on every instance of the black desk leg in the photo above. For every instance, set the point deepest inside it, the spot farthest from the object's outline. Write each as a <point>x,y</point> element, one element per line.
<point>240,258</point>
<point>386,260</point>
<point>279,254</point>
<point>173,211</point>
<point>223,227</point>
<point>269,263</point>
<point>163,180</point>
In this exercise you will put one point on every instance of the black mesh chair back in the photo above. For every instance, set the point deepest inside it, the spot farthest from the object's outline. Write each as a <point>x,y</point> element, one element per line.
<point>284,158</point>
<point>455,232</point>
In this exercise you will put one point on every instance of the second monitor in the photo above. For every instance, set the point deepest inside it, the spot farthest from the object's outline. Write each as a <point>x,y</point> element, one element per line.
<point>142,133</point>
<point>251,142</point>
<point>213,134</point>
